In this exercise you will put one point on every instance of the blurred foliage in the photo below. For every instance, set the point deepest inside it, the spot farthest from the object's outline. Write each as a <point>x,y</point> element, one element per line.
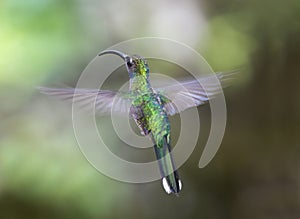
<point>232,53</point>
<point>36,36</point>
<point>254,175</point>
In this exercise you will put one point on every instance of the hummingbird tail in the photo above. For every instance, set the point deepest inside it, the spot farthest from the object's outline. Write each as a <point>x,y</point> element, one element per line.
<point>170,177</point>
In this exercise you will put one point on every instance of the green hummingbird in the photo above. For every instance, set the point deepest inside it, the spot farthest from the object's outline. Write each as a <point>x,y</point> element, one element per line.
<point>149,107</point>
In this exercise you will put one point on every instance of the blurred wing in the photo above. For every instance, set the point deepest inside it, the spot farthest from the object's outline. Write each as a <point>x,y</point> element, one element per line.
<point>186,94</point>
<point>103,101</point>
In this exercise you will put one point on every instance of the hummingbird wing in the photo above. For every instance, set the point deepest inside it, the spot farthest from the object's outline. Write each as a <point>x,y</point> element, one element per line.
<point>103,101</point>
<point>190,93</point>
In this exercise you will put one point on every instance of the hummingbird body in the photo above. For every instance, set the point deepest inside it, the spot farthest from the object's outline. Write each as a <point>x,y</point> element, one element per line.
<point>149,107</point>
<point>150,116</point>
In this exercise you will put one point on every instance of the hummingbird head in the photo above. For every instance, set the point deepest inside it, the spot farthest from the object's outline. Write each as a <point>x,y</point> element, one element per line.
<point>136,65</point>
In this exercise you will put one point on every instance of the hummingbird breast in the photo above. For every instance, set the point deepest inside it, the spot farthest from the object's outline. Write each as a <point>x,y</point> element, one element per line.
<point>150,117</point>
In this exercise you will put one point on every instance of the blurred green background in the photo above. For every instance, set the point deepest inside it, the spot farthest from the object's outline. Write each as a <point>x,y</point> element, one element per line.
<point>256,172</point>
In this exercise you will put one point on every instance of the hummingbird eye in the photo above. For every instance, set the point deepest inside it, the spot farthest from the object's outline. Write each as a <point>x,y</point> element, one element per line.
<point>130,63</point>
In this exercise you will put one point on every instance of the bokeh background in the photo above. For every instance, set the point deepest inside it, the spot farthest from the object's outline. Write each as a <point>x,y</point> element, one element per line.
<point>256,172</point>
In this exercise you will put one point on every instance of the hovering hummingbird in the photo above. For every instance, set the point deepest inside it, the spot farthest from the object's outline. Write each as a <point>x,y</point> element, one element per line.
<point>149,107</point>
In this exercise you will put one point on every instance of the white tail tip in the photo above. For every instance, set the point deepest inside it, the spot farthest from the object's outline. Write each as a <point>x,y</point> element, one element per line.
<point>166,186</point>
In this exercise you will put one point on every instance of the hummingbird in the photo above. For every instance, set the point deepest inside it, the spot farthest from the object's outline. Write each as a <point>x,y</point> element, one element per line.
<point>149,107</point>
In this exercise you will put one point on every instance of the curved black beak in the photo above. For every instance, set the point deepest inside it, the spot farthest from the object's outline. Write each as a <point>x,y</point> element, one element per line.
<point>115,52</point>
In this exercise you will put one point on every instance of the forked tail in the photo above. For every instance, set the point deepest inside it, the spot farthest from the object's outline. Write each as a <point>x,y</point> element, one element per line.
<point>170,177</point>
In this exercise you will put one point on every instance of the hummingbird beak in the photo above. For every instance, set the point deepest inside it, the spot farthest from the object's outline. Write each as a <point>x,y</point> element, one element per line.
<point>115,52</point>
